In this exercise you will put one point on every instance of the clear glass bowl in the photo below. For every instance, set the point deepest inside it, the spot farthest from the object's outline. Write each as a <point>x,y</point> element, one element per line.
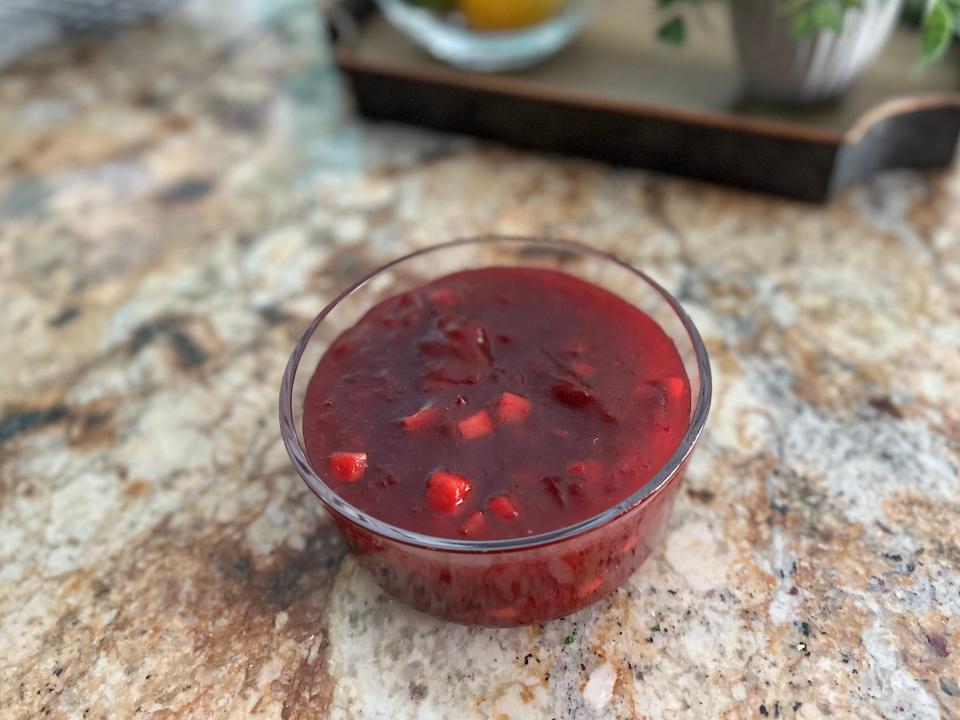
<point>520,580</point>
<point>447,37</point>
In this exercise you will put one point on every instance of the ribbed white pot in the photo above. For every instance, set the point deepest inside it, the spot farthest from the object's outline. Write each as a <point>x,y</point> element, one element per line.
<point>780,67</point>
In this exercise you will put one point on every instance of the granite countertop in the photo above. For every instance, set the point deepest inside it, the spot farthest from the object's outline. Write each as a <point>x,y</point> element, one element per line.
<point>178,202</point>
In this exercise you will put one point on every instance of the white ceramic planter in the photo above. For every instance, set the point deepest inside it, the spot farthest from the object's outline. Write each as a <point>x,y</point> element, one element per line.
<point>779,67</point>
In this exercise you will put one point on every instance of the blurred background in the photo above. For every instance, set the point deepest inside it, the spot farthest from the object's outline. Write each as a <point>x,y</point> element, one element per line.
<point>184,185</point>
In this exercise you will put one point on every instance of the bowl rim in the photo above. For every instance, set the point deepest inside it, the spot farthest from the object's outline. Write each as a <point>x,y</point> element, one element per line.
<point>339,506</point>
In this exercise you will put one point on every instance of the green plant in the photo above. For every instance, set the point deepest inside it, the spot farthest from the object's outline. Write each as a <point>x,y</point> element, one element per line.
<point>674,29</point>
<point>939,20</point>
<point>810,16</point>
<point>940,23</point>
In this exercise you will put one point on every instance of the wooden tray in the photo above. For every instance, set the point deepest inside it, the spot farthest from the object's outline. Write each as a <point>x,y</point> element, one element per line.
<point>617,94</point>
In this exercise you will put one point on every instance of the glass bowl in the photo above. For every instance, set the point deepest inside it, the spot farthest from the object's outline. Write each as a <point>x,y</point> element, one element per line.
<point>448,36</point>
<point>508,581</point>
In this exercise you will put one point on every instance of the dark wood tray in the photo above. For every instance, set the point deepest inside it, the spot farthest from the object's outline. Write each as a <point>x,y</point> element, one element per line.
<point>618,95</point>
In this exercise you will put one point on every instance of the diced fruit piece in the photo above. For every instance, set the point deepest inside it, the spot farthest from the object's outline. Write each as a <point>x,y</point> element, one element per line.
<point>457,339</point>
<point>348,466</point>
<point>589,469</point>
<point>570,394</point>
<point>477,425</point>
<point>341,348</point>
<point>583,368</point>
<point>629,544</point>
<point>675,386</point>
<point>502,506</point>
<point>586,588</point>
<point>443,296</point>
<point>565,491</point>
<point>576,396</point>
<point>512,408</point>
<point>473,525</point>
<point>422,419</point>
<point>503,613</point>
<point>446,491</point>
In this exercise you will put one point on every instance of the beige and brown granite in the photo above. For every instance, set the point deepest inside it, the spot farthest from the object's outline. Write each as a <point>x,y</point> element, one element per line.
<point>178,202</point>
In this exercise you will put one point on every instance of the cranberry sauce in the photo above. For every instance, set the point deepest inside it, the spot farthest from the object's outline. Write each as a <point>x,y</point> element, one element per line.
<point>495,403</point>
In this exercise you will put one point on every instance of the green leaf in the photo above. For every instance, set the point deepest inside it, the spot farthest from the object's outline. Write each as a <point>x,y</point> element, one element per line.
<point>673,31</point>
<point>655,628</point>
<point>827,15</point>
<point>937,31</point>
<point>803,24</point>
<point>568,640</point>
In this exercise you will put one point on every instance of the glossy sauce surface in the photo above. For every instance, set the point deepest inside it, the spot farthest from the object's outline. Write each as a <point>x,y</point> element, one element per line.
<point>495,403</point>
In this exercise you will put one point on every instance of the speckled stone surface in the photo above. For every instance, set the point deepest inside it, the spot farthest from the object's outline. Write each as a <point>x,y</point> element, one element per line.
<point>176,205</point>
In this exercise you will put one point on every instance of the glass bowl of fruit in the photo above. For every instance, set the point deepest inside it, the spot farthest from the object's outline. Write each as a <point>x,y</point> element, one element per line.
<point>498,425</point>
<point>488,35</point>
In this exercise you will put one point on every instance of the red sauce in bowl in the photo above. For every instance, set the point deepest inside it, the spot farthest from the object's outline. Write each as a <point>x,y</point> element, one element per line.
<point>495,403</point>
